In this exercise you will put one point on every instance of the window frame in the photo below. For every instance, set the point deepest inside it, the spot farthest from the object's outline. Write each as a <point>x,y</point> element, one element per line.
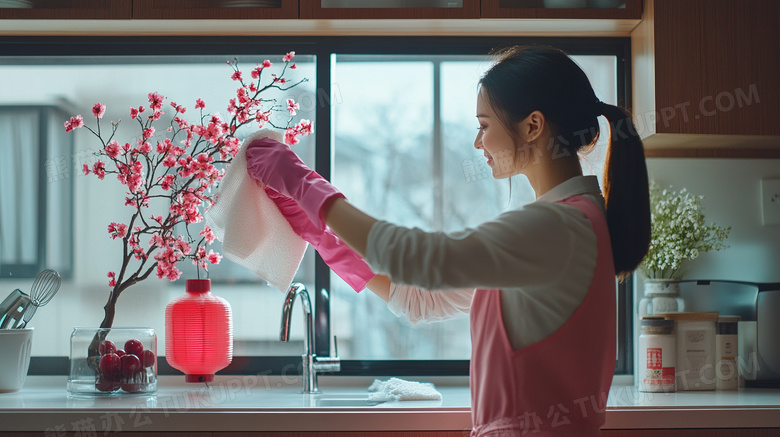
<point>322,48</point>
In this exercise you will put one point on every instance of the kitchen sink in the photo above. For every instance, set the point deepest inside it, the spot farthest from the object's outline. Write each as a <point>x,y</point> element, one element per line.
<point>351,400</point>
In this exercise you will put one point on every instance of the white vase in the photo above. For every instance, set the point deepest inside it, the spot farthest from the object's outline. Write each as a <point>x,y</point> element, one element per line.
<point>661,296</point>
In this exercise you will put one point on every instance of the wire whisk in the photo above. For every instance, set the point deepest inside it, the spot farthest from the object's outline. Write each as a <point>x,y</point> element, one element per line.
<point>45,286</point>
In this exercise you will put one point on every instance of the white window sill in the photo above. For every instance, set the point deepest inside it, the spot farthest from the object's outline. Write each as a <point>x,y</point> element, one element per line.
<point>273,403</point>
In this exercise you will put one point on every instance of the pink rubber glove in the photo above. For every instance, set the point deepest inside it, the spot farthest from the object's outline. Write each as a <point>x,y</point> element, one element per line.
<point>344,261</point>
<point>280,169</point>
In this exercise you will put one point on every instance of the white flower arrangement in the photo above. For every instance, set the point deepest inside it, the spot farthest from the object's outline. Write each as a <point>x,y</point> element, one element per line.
<point>678,232</point>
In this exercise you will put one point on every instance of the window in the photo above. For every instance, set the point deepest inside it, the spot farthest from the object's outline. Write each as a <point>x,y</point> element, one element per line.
<point>35,189</point>
<point>404,153</point>
<point>394,128</point>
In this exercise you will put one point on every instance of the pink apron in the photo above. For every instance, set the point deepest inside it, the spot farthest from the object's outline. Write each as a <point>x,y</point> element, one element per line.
<point>559,385</point>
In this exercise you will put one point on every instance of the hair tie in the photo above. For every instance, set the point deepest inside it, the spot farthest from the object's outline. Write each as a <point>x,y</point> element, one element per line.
<point>600,107</point>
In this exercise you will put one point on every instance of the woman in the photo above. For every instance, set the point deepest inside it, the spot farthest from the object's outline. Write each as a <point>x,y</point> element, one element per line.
<point>538,282</point>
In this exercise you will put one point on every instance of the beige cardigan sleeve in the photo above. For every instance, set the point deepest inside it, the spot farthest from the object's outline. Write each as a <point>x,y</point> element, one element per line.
<point>525,247</point>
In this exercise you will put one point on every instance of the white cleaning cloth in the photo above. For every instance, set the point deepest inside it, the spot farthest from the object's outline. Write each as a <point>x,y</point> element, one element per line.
<point>395,389</point>
<point>253,232</point>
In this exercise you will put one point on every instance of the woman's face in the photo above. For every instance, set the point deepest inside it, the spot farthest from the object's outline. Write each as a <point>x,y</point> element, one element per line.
<point>494,140</point>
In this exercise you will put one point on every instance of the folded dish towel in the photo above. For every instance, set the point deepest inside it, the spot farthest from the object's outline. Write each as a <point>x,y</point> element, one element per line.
<point>395,389</point>
<point>253,232</point>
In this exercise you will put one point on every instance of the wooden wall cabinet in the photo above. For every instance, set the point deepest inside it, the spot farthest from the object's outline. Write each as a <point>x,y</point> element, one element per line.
<point>312,9</point>
<point>214,9</point>
<point>68,9</point>
<point>535,9</point>
<point>705,78</point>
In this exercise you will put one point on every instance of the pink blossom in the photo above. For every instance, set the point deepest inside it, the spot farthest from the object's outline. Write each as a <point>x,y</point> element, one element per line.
<point>266,63</point>
<point>236,76</point>
<point>173,274</point>
<point>156,100</point>
<point>243,96</point>
<point>263,116</point>
<point>288,57</point>
<point>292,106</point>
<point>291,136</point>
<point>256,72</point>
<point>112,149</point>
<point>199,104</point>
<point>98,110</point>
<point>135,111</point>
<point>117,230</point>
<point>112,277</point>
<point>305,127</point>
<point>85,169</point>
<point>213,257</point>
<point>208,234</point>
<point>133,240</point>
<point>181,122</point>
<point>75,122</point>
<point>129,201</point>
<point>182,246</point>
<point>134,182</point>
<point>145,148</point>
<point>169,161</point>
<point>157,240</point>
<point>148,133</point>
<point>166,264</point>
<point>185,171</point>
<point>293,67</point>
<point>229,147</point>
<point>99,168</point>
<point>158,218</point>
<point>253,88</point>
<point>164,146</point>
<point>167,182</point>
<point>179,108</point>
<point>138,253</point>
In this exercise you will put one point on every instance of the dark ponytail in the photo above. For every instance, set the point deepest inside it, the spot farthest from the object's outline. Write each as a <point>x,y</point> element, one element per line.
<point>529,78</point>
<point>626,192</point>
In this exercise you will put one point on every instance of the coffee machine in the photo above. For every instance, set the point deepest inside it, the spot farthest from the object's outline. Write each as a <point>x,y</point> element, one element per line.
<point>758,304</point>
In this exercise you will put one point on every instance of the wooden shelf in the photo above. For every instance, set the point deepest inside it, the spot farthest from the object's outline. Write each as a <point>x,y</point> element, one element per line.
<point>712,146</point>
<point>71,9</point>
<point>213,9</point>
<point>312,9</point>
<point>499,9</point>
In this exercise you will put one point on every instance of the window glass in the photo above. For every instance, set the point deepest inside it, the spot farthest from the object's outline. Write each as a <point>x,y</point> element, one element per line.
<point>404,135</point>
<point>75,84</point>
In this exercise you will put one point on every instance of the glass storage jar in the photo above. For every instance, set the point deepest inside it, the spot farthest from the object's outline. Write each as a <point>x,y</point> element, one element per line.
<point>726,352</point>
<point>657,355</point>
<point>112,362</point>
<point>695,338</point>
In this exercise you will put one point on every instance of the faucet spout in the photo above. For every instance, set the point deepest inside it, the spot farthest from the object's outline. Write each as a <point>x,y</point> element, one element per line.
<point>311,363</point>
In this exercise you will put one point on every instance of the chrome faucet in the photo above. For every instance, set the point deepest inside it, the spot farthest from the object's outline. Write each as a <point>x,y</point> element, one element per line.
<point>311,362</point>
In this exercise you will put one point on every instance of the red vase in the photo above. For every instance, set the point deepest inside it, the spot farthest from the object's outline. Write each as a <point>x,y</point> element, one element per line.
<point>199,332</point>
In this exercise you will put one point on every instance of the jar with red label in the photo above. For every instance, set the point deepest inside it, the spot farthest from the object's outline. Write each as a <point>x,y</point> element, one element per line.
<point>657,355</point>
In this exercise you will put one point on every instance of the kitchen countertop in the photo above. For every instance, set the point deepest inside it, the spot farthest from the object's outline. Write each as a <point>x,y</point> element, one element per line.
<point>274,403</point>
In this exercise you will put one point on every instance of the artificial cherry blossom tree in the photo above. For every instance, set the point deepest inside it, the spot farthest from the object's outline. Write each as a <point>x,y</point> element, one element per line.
<point>178,166</point>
